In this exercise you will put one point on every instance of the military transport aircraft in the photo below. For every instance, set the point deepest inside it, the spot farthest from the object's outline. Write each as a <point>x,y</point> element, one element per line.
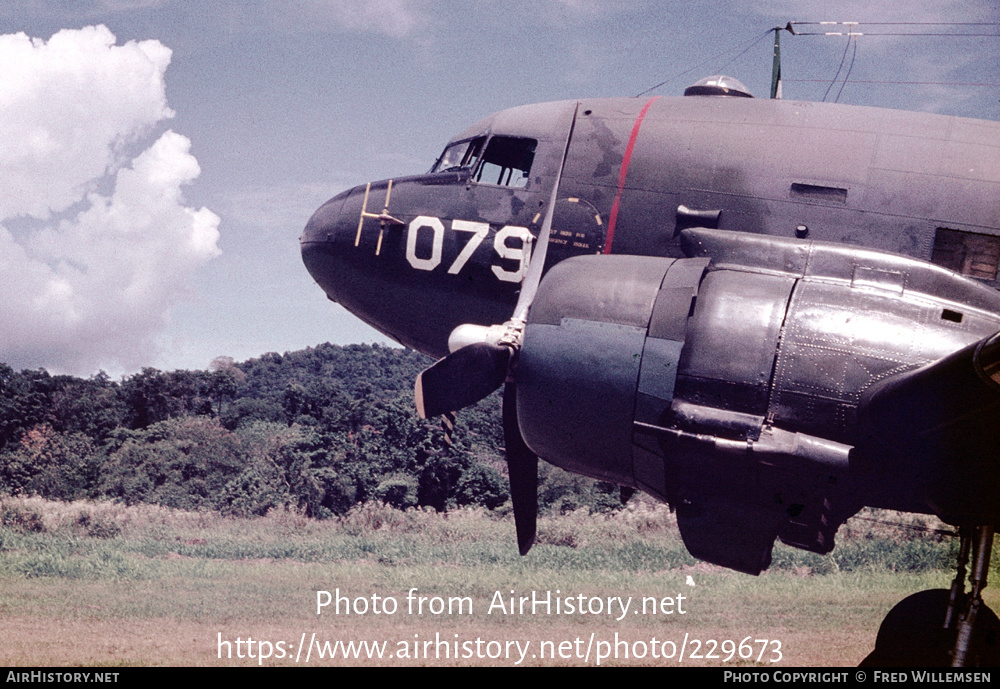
<point>767,313</point>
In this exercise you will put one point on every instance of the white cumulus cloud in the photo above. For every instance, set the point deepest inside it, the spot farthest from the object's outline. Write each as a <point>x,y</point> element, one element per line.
<point>95,247</point>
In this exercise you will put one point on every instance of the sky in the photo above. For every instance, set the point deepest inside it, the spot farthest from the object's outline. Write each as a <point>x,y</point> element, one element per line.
<point>160,158</point>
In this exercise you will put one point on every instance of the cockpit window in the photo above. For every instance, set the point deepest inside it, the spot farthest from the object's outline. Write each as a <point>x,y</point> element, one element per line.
<point>460,155</point>
<point>506,161</point>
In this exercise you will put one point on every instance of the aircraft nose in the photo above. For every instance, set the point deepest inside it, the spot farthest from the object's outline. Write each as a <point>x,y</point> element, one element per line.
<point>358,258</point>
<point>328,233</point>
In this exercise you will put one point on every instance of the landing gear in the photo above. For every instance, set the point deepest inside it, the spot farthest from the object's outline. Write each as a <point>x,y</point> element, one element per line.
<point>942,627</point>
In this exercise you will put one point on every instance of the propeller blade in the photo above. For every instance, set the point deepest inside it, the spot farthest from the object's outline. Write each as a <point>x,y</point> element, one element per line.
<point>460,379</point>
<point>522,467</point>
<point>529,285</point>
<point>472,372</point>
<point>522,463</point>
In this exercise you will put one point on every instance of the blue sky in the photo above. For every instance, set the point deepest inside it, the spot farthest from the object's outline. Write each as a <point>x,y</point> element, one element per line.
<point>158,180</point>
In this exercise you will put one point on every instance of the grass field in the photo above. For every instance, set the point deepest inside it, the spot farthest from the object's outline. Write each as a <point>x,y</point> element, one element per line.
<point>103,584</point>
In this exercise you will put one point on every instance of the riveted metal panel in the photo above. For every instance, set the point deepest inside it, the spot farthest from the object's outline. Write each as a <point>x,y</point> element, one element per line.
<point>843,339</point>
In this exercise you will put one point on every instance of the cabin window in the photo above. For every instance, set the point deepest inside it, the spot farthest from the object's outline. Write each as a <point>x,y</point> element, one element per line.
<point>968,253</point>
<point>506,161</point>
<point>461,154</point>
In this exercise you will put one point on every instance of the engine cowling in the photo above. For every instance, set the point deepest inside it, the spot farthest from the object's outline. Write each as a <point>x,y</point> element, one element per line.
<point>585,350</point>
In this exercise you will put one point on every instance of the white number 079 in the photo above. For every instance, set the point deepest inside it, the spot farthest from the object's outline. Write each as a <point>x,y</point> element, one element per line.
<point>477,231</point>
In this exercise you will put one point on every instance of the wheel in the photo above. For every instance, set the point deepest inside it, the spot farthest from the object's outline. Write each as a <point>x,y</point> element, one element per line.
<point>912,635</point>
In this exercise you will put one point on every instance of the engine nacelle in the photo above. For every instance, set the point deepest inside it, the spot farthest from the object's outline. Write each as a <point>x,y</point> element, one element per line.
<point>729,383</point>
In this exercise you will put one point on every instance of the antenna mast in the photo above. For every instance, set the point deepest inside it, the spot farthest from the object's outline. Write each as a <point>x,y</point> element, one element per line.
<point>776,64</point>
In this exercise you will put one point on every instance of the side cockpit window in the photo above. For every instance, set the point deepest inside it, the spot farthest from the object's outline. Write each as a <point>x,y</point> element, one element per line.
<point>504,160</point>
<point>462,154</point>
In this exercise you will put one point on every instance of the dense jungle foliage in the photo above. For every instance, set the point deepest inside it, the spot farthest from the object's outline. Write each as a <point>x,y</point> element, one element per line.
<point>318,430</point>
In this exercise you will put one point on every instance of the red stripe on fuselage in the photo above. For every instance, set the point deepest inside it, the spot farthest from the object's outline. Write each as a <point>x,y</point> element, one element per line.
<point>623,173</point>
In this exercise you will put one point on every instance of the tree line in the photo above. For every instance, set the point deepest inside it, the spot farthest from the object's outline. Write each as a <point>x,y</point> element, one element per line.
<point>317,430</point>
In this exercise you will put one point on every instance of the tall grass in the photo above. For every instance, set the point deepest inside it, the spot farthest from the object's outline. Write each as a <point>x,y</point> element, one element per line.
<point>84,539</point>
